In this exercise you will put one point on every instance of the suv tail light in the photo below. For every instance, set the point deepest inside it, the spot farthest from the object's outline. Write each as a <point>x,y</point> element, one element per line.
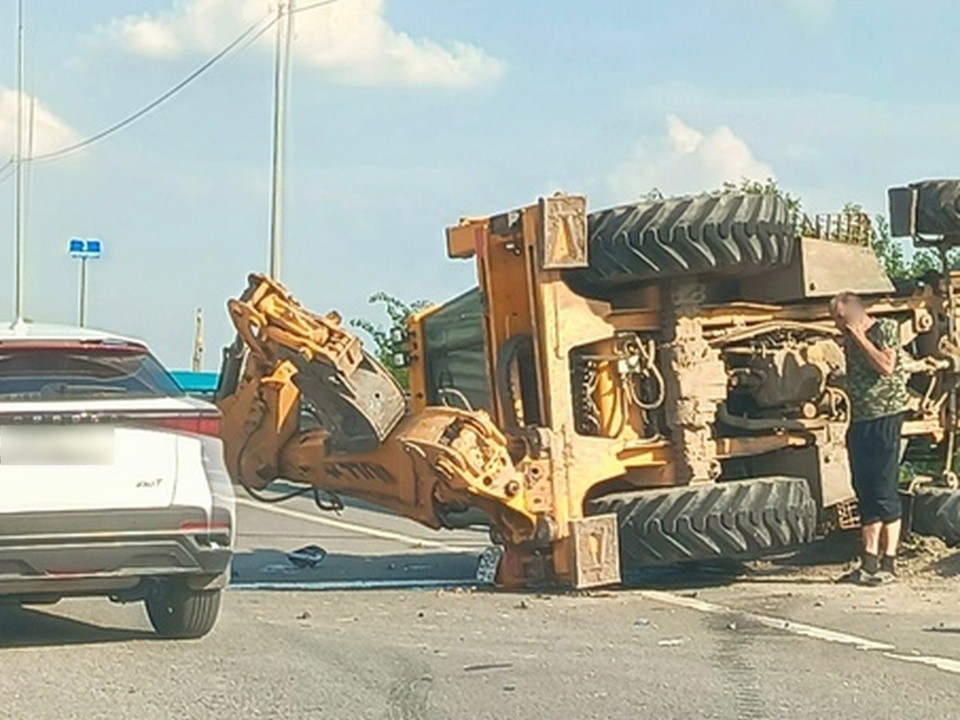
<point>208,533</point>
<point>190,424</point>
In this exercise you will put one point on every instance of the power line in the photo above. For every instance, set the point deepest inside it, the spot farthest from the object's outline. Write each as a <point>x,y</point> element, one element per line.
<point>7,171</point>
<point>240,43</point>
<point>313,6</point>
<point>248,36</point>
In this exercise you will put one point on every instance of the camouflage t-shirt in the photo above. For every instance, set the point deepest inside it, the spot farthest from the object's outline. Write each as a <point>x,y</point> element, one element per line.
<point>873,395</point>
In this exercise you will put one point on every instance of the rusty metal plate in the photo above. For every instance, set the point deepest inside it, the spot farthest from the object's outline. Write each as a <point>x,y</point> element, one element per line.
<point>596,551</point>
<point>821,269</point>
<point>564,219</point>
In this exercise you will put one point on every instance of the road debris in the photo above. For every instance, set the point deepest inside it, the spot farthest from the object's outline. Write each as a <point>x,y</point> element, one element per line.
<point>308,556</point>
<point>488,564</point>
<point>488,666</point>
<point>943,628</point>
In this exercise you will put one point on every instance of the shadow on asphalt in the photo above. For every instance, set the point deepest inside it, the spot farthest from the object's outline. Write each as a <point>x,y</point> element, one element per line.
<point>689,576</point>
<point>270,568</point>
<point>32,627</point>
<point>831,552</point>
<point>948,566</point>
<point>834,549</point>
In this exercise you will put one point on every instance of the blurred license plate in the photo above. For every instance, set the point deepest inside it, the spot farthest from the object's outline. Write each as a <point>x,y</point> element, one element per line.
<point>55,445</point>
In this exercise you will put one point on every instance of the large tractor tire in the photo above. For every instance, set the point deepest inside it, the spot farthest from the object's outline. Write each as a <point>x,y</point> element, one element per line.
<point>936,512</point>
<point>697,235</point>
<point>929,208</point>
<point>740,520</point>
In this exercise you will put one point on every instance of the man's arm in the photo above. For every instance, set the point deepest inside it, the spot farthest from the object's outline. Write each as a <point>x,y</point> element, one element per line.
<point>881,359</point>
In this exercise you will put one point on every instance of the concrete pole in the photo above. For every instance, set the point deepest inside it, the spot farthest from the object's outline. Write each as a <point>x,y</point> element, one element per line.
<point>18,168</point>
<point>83,292</point>
<point>281,82</point>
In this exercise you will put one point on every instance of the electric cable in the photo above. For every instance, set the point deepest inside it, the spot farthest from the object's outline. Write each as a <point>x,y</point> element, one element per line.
<point>245,38</point>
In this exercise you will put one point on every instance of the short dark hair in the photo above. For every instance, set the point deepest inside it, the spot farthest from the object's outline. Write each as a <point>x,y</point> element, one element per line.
<point>842,298</point>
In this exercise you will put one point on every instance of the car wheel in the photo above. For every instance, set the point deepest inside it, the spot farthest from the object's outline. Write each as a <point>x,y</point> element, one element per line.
<point>176,611</point>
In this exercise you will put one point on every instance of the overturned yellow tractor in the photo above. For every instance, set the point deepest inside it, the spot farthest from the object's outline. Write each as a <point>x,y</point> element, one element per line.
<point>649,384</point>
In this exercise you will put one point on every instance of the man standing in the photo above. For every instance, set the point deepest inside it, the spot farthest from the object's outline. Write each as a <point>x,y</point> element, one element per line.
<point>877,384</point>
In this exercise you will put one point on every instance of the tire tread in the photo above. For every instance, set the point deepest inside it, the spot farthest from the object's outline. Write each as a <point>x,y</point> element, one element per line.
<point>726,233</point>
<point>936,511</point>
<point>740,520</point>
<point>179,612</point>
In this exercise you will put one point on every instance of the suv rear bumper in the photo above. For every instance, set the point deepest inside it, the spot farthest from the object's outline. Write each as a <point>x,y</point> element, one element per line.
<point>110,551</point>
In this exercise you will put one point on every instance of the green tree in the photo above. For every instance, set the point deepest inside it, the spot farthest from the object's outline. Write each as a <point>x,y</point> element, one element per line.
<point>764,187</point>
<point>398,312</point>
<point>892,256</point>
<point>747,186</point>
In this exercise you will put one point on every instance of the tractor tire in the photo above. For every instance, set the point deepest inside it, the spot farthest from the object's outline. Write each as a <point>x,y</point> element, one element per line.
<point>178,612</point>
<point>726,233</point>
<point>734,520</point>
<point>936,512</point>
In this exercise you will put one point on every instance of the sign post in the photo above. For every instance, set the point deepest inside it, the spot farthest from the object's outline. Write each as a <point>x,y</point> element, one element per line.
<point>83,249</point>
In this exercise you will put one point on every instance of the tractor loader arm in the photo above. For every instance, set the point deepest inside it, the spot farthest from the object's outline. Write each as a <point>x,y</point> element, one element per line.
<point>301,400</point>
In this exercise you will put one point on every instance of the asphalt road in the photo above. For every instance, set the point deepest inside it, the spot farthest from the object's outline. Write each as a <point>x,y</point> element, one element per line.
<point>776,645</point>
<point>365,549</point>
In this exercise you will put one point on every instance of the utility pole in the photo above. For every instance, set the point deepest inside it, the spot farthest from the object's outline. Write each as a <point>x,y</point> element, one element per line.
<point>82,319</point>
<point>281,81</point>
<point>196,363</point>
<point>18,169</point>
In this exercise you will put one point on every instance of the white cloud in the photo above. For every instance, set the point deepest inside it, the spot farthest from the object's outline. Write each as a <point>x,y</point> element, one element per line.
<point>49,131</point>
<point>685,161</point>
<point>351,40</point>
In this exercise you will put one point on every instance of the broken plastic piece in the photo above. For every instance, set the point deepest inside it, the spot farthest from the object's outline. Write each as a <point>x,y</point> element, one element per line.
<point>488,564</point>
<point>308,556</point>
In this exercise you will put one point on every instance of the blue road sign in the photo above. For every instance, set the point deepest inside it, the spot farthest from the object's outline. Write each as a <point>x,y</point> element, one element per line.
<point>84,248</point>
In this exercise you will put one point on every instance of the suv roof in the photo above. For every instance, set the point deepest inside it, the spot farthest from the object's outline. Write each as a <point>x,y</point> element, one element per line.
<point>24,330</point>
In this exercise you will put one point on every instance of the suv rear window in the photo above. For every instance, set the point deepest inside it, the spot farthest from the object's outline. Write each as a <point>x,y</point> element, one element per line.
<point>77,371</point>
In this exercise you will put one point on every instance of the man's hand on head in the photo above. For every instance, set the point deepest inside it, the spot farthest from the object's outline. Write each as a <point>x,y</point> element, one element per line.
<point>857,325</point>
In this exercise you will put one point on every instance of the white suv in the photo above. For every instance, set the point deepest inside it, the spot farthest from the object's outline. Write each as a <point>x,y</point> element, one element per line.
<point>111,480</point>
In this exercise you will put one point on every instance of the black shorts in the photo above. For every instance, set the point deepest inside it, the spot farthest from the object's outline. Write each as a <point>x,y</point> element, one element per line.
<point>874,447</point>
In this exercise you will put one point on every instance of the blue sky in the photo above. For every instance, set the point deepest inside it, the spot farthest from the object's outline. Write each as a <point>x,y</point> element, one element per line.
<point>407,114</point>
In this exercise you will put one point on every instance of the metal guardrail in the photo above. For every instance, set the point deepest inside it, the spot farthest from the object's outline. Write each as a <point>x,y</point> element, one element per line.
<point>853,228</point>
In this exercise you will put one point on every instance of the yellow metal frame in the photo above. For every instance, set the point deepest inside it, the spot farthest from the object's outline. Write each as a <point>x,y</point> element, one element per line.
<point>523,296</point>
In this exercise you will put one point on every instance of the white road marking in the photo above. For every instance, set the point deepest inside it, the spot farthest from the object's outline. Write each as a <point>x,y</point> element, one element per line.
<point>352,585</point>
<point>353,527</point>
<point>805,630</point>
<point>776,623</point>
<point>945,664</point>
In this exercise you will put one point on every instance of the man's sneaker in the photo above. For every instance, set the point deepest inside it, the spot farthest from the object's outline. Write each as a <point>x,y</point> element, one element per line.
<point>889,564</point>
<point>875,579</point>
<point>885,577</point>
